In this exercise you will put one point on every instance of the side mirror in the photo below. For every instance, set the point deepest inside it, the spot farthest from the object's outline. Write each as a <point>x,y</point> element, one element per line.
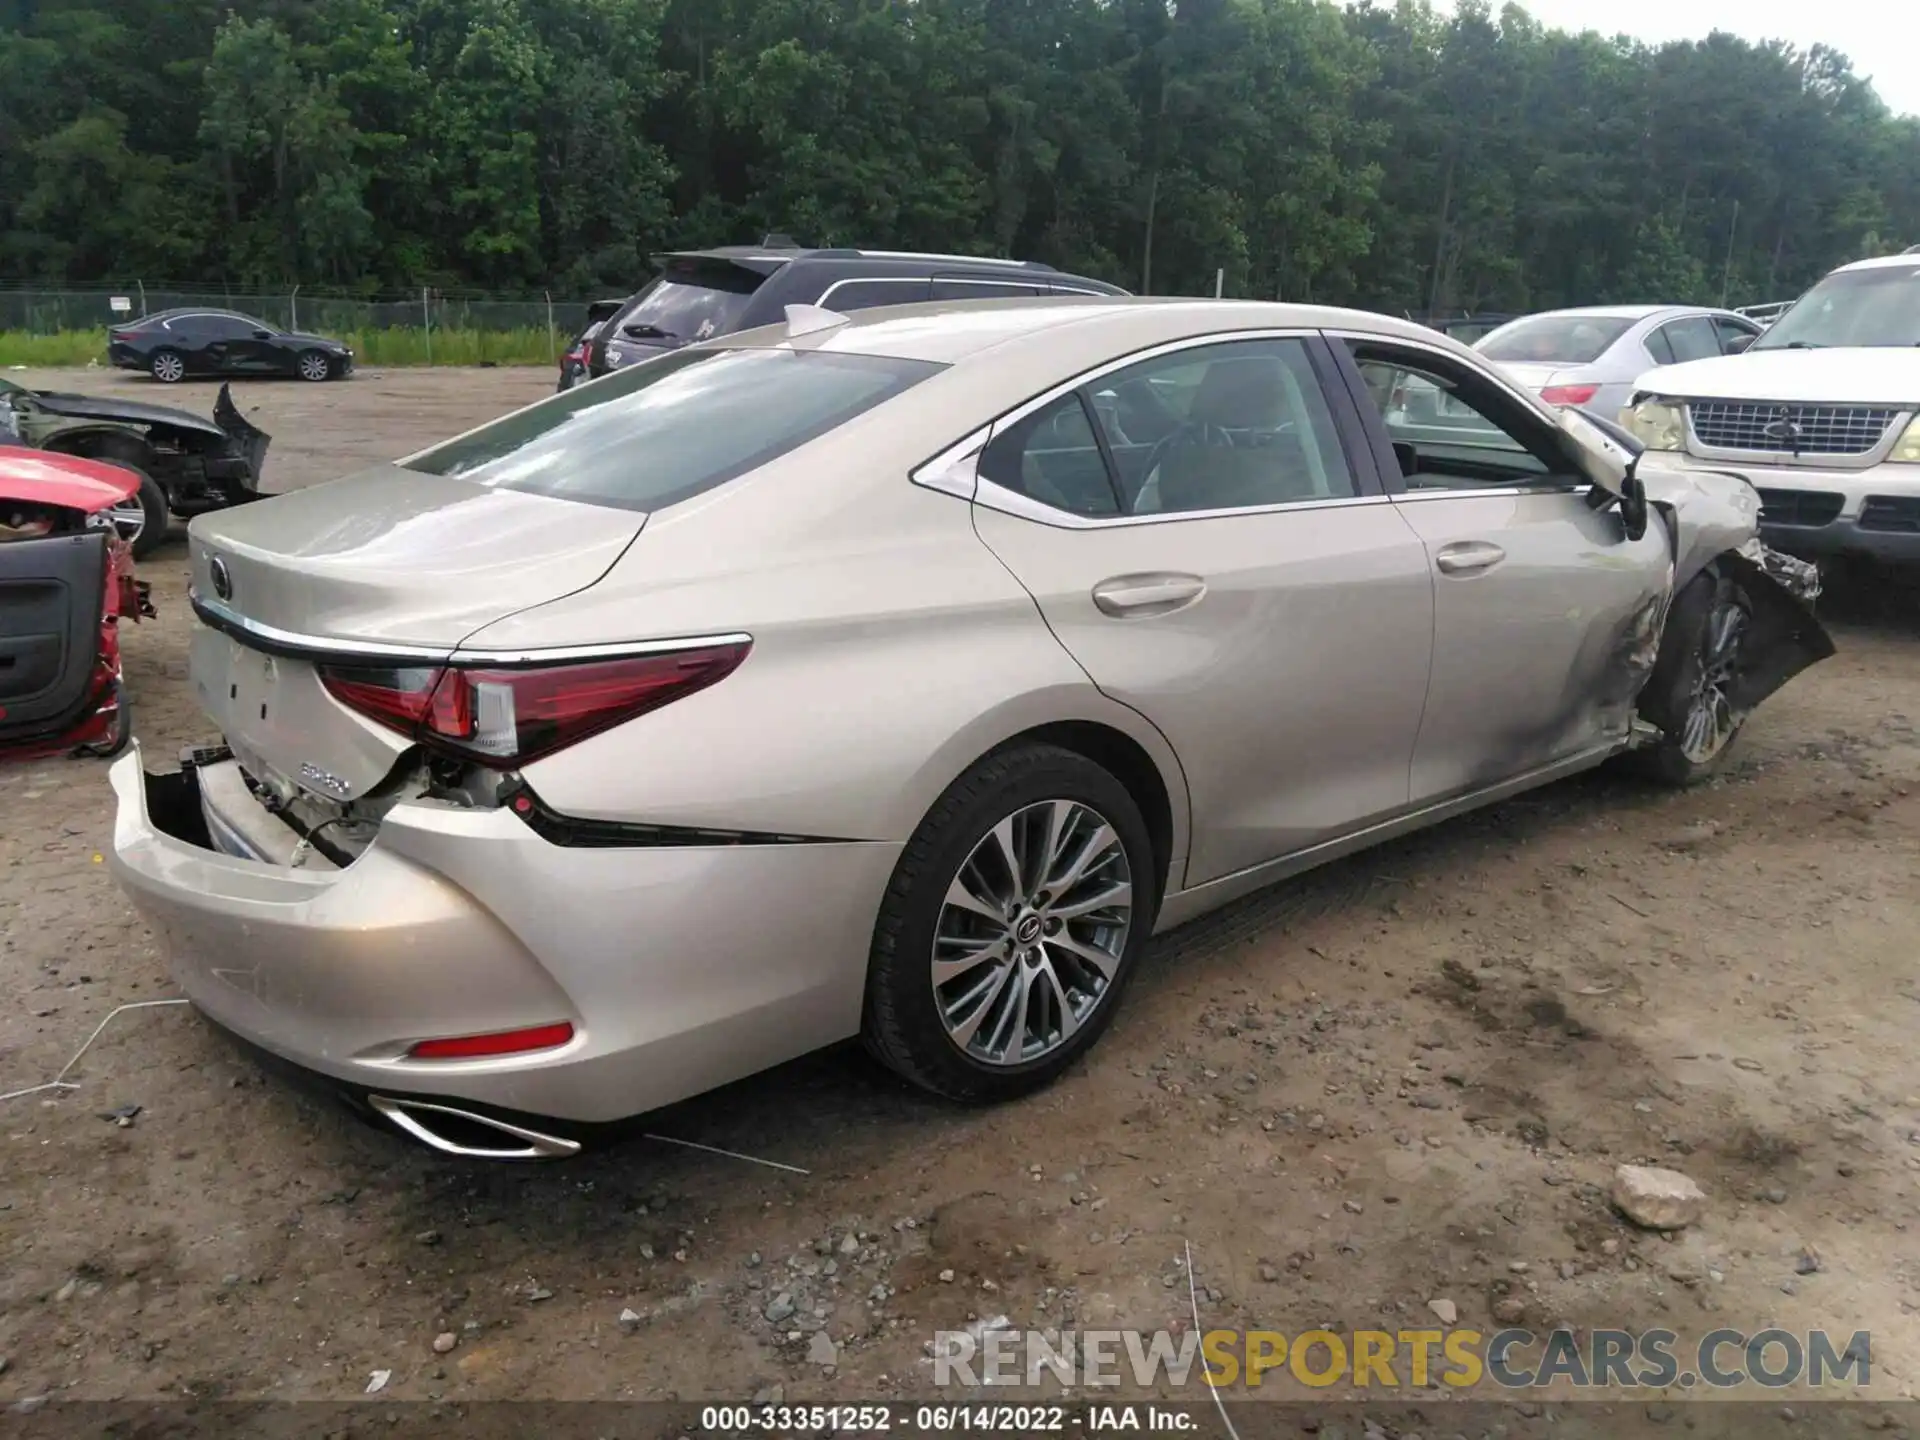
<point>1737,343</point>
<point>1633,506</point>
<point>263,334</point>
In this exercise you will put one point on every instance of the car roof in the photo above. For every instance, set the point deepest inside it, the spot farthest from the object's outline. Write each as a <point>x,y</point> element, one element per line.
<point>195,310</point>
<point>1880,262</point>
<point>948,332</point>
<point>1622,312</point>
<point>776,254</point>
<point>853,263</point>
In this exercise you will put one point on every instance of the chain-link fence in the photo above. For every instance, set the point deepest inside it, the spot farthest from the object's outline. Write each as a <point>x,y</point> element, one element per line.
<point>35,311</point>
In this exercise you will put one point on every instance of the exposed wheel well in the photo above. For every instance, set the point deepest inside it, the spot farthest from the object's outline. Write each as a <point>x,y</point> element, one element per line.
<point>1120,756</point>
<point>104,445</point>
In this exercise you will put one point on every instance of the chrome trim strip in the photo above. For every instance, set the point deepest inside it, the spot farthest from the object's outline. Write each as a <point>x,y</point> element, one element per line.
<point>220,617</point>
<point>949,472</point>
<point>295,643</point>
<point>827,294</point>
<point>1007,502</point>
<point>612,650</point>
<point>1411,497</point>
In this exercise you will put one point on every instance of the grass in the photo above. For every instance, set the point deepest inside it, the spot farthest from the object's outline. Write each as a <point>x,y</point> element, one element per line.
<point>393,346</point>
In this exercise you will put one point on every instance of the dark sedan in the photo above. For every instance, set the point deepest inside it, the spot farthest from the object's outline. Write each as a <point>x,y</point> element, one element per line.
<point>173,344</point>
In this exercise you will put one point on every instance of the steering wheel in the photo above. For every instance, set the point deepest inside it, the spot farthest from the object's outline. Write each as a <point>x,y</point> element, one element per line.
<point>1189,432</point>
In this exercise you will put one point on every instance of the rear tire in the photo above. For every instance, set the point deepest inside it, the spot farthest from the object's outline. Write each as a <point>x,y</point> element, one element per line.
<point>1686,695</point>
<point>169,367</point>
<point>983,1003</point>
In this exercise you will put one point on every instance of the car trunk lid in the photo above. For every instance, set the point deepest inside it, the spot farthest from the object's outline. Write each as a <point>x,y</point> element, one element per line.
<point>389,567</point>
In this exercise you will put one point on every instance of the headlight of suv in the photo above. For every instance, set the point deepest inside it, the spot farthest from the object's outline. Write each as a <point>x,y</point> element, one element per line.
<point>1657,424</point>
<point>1907,448</point>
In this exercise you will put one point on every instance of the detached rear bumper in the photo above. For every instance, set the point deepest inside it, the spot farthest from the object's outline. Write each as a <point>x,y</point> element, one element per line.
<point>680,968</point>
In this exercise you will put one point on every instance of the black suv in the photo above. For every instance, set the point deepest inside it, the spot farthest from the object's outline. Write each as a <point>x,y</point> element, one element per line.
<point>703,293</point>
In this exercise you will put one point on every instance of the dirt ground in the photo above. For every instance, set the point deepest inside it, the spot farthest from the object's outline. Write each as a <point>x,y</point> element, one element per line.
<point>1406,1078</point>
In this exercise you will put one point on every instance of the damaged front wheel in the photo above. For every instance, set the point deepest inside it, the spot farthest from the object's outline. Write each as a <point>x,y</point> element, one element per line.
<point>1693,692</point>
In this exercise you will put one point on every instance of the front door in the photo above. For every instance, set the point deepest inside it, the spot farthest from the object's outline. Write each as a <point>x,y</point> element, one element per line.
<point>1196,537</point>
<point>1545,613</point>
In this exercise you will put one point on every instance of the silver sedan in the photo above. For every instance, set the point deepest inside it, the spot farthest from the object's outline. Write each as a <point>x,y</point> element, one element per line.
<point>1590,358</point>
<point>895,676</point>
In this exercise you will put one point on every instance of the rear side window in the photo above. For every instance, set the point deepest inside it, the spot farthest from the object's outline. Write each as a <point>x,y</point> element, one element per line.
<point>1692,339</point>
<point>957,287</point>
<point>651,436</point>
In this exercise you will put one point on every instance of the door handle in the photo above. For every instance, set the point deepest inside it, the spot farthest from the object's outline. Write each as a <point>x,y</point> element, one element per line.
<point>1469,557</point>
<point>1128,597</point>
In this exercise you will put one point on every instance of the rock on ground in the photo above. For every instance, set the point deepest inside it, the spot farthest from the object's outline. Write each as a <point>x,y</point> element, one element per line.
<point>1657,1198</point>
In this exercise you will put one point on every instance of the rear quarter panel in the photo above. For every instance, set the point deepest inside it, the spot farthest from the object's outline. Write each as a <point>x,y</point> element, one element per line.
<point>891,649</point>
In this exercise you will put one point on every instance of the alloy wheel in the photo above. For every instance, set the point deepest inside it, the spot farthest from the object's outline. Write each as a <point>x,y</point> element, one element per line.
<point>315,366</point>
<point>1031,932</point>
<point>168,368</point>
<point>129,518</point>
<point>1711,721</point>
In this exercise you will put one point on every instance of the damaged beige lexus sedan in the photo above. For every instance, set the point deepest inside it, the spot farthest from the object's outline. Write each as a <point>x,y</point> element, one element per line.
<point>896,676</point>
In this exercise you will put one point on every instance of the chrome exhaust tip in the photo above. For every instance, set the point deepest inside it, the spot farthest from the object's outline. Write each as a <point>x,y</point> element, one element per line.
<point>416,1119</point>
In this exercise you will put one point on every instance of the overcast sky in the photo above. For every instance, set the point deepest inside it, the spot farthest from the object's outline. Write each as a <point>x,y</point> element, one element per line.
<point>1881,37</point>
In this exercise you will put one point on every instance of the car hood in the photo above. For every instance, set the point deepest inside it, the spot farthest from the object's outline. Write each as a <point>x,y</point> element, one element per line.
<point>41,477</point>
<point>1867,375</point>
<point>99,407</point>
<point>391,555</point>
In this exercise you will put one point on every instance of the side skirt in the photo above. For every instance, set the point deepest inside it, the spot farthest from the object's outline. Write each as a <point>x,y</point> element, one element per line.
<point>1190,904</point>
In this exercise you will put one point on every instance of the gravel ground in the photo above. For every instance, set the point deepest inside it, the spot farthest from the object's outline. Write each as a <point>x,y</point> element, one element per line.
<point>1404,1079</point>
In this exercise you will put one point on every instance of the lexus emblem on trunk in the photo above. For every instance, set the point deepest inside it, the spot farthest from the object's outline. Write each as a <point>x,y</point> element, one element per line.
<point>222,581</point>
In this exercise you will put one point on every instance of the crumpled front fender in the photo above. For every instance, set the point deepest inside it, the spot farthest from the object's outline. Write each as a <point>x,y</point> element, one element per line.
<point>1706,514</point>
<point>1714,519</point>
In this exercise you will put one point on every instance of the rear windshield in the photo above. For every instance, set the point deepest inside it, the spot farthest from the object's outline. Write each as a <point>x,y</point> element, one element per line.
<point>1555,339</point>
<point>652,435</point>
<point>689,303</point>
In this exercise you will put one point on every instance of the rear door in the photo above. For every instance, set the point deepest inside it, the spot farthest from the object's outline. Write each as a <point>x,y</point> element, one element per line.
<point>50,599</point>
<point>1539,599</point>
<point>1198,537</point>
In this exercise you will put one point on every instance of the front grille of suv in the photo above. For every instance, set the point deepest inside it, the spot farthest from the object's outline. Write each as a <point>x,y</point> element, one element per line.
<point>1789,429</point>
<point>1799,507</point>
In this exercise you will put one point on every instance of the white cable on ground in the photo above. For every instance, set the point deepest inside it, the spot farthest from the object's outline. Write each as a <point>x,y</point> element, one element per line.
<point>1193,1295</point>
<point>60,1081</point>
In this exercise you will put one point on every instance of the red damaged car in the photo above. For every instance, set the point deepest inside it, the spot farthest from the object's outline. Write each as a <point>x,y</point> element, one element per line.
<point>66,580</point>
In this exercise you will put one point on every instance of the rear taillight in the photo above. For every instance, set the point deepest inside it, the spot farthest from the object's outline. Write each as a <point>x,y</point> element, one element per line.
<point>506,716</point>
<point>1569,394</point>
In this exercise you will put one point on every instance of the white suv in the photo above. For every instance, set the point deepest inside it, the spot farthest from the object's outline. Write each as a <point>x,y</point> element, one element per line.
<point>1821,414</point>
